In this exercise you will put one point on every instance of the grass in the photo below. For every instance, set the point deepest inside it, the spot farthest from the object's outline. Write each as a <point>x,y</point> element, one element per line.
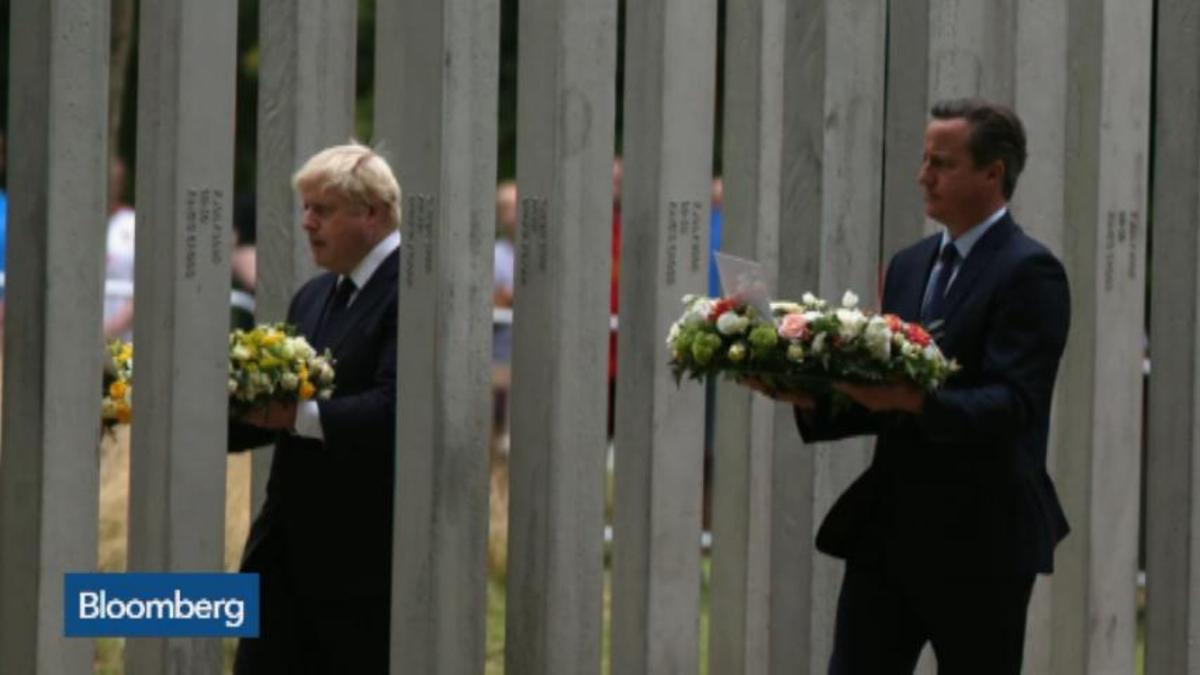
<point>114,488</point>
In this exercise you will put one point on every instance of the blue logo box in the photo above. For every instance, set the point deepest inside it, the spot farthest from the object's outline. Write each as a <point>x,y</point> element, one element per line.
<point>187,604</point>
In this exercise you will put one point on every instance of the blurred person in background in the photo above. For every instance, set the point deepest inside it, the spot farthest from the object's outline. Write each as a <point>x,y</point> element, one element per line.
<point>118,261</point>
<point>243,263</point>
<point>502,297</point>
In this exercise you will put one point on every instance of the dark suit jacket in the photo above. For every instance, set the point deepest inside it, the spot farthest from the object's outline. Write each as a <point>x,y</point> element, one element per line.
<point>327,518</point>
<point>962,488</point>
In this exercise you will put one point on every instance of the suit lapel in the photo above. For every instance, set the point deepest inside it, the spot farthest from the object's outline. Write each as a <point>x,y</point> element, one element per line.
<point>374,292</point>
<point>981,255</point>
<point>310,315</point>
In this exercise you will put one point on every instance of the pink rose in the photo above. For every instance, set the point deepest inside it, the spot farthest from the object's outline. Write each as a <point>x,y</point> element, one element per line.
<point>792,326</point>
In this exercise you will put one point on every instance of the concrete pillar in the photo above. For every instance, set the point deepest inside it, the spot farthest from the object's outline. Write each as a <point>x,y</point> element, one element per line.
<point>435,118</point>
<point>57,196</point>
<point>185,171</point>
<point>669,89</point>
<point>1100,384</point>
<point>971,49</point>
<point>904,124</point>
<point>829,242</point>
<point>743,446</point>
<point>1040,99</point>
<point>1173,601</point>
<point>305,103</point>
<point>565,139</point>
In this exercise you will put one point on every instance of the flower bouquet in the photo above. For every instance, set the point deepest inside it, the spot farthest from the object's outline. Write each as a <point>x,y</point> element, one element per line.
<point>804,346</point>
<point>273,363</point>
<point>116,406</point>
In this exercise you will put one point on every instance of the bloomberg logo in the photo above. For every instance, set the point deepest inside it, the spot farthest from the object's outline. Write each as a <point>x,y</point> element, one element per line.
<point>187,604</point>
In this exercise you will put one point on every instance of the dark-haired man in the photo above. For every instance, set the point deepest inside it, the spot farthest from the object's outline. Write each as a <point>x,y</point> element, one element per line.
<point>945,531</point>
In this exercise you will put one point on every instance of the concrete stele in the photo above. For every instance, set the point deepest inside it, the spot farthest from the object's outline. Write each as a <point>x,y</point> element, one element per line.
<point>57,196</point>
<point>659,439</point>
<point>186,73</point>
<point>565,118</point>
<point>435,119</point>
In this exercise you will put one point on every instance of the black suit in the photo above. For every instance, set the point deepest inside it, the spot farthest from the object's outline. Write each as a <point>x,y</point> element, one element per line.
<point>323,541</point>
<point>956,500</point>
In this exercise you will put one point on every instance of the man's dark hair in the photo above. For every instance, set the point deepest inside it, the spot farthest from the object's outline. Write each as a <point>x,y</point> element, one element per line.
<point>996,134</point>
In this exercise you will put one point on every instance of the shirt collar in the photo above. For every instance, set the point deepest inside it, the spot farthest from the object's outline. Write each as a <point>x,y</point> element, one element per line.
<point>367,266</point>
<point>968,239</point>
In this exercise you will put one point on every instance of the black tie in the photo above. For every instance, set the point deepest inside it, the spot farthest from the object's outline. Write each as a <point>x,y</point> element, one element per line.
<point>936,306</point>
<point>341,298</point>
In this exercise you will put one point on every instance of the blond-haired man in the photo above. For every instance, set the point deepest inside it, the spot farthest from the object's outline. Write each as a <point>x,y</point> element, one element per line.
<point>322,542</point>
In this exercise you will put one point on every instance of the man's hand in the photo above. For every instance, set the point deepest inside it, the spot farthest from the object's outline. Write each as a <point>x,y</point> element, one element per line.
<point>799,399</point>
<point>902,396</point>
<point>275,415</point>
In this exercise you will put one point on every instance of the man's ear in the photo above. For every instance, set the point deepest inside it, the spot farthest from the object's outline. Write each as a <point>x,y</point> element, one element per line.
<point>995,171</point>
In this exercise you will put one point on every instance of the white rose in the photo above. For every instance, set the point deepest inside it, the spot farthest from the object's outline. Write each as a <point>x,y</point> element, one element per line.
<point>851,323</point>
<point>787,307</point>
<point>287,350</point>
<point>672,334</point>
<point>303,349</point>
<point>849,300</point>
<point>810,299</point>
<point>326,375</point>
<point>931,353</point>
<point>240,352</point>
<point>878,338</point>
<point>910,350</point>
<point>818,343</point>
<point>730,323</point>
<point>232,385</point>
<point>289,382</point>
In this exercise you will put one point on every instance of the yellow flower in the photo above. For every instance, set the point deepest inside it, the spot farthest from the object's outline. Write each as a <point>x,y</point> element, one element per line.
<point>271,339</point>
<point>117,390</point>
<point>306,390</point>
<point>124,414</point>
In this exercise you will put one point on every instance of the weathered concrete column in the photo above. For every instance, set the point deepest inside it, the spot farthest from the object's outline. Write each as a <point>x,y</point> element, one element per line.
<point>1172,519</point>
<point>743,445</point>
<point>664,254</point>
<point>1040,99</point>
<point>1100,384</point>
<point>305,103</point>
<point>829,242</point>
<point>971,48</point>
<point>435,118</point>
<point>57,194</point>
<point>565,140</point>
<point>185,175</point>
<point>904,124</point>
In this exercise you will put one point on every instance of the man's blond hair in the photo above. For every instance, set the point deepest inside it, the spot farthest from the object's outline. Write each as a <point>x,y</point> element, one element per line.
<point>355,172</point>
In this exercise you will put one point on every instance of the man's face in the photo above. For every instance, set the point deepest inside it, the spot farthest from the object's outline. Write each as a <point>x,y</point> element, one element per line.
<point>340,232</point>
<point>957,193</point>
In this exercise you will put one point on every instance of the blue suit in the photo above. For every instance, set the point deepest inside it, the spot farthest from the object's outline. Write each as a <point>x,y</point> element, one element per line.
<point>957,500</point>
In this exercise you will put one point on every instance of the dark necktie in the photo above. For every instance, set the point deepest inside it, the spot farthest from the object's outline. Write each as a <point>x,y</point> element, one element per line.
<point>936,307</point>
<point>341,298</point>
<point>337,307</point>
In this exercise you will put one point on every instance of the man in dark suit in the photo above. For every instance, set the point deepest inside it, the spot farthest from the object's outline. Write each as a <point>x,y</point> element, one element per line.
<point>945,531</point>
<point>322,544</point>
